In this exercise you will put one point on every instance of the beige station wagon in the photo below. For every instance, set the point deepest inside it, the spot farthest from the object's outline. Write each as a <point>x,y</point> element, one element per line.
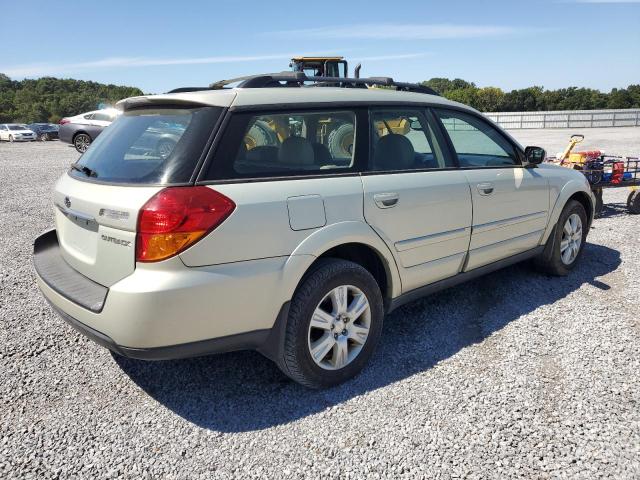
<point>289,215</point>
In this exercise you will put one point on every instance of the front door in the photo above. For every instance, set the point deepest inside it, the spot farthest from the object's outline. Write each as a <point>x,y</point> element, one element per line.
<point>510,202</point>
<point>414,198</point>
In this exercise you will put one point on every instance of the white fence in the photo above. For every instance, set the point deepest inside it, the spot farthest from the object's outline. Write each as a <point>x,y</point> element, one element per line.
<point>567,119</point>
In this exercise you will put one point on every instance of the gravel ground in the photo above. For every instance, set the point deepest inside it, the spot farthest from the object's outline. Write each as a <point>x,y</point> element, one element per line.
<point>513,375</point>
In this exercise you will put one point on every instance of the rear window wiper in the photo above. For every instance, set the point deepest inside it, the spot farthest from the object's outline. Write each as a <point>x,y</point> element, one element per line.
<point>86,170</point>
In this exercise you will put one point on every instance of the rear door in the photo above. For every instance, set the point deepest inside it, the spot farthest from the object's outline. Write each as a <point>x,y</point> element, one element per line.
<point>414,197</point>
<point>510,202</point>
<point>291,172</point>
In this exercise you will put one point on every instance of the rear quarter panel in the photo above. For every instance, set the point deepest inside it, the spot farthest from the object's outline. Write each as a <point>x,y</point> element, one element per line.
<point>69,130</point>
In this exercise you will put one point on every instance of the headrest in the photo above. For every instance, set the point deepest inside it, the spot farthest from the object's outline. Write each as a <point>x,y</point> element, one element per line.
<point>393,152</point>
<point>296,151</point>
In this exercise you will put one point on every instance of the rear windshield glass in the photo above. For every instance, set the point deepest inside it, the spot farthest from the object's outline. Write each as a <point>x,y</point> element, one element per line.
<point>157,146</point>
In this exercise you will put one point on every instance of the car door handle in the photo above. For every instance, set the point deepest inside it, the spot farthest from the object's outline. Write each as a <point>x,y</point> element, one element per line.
<point>485,188</point>
<point>386,200</point>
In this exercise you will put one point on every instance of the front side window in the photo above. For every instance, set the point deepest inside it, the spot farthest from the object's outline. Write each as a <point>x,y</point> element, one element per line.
<point>159,146</point>
<point>476,142</point>
<point>282,144</point>
<point>404,140</point>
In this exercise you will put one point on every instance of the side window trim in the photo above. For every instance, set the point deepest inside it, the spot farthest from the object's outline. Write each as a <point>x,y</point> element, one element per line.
<point>517,151</point>
<point>424,112</point>
<point>209,164</point>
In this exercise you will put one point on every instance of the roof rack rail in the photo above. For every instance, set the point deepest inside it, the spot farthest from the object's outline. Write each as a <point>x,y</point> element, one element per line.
<point>298,79</point>
<point>188,89</point>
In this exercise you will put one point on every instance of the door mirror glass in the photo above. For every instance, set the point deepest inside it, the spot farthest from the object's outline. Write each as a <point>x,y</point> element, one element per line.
<point>534,155</point>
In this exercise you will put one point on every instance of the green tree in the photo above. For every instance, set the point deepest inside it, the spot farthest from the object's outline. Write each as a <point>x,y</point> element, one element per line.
<point>492,99</point>
<point>50,99</point>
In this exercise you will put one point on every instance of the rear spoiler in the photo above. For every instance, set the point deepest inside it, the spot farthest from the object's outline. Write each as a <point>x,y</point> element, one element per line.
<point>140,102</point>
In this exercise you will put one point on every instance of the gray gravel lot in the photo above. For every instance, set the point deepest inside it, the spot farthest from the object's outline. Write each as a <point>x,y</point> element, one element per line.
<point>512,375</point>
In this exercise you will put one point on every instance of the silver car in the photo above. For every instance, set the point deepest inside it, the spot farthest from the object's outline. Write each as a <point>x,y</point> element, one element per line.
<point>291,220</point>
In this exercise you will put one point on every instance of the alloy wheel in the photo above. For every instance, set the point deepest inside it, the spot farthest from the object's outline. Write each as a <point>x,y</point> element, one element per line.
<point>571,239</point>
<point>82,142</point>
<point>339,327</point>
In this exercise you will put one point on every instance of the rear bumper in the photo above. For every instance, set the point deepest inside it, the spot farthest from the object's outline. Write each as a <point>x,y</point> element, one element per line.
<point>167,310</point>
<point>261,340</point>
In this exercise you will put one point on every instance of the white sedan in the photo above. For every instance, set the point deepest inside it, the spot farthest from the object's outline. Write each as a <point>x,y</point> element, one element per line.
<point>14,132</point>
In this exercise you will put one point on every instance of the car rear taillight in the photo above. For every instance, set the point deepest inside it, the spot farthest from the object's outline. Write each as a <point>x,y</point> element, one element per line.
<point>177,217</point>
<point>63,121</point>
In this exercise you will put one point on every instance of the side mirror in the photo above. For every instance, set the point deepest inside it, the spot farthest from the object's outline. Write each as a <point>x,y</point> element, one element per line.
<point>415,125</point>
<point>534,155</point>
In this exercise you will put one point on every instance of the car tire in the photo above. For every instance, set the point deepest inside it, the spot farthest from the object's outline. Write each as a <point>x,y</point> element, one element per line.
<point>44,137</point>
<point>340,141</point>
<point>328,340</point>
<point>566,242</point>
<point>11,138</point>
<point>633,202</point>
<point>81,141</point>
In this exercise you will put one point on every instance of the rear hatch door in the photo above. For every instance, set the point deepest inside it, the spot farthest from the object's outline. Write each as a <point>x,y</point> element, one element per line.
<point>96,226</point>
<point>98,200</point>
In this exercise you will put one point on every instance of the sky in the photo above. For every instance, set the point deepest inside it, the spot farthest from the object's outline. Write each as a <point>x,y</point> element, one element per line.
<point>161,45</point>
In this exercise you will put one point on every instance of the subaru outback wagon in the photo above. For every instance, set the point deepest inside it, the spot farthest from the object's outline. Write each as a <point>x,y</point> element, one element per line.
<point>289,217</point>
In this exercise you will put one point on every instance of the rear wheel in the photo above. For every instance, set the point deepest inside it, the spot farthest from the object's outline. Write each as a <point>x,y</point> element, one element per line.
<point>599,202</point>
<point>335,322</point>
<point>566,243</point>
<point>81,141</point>
<point>633,202</point>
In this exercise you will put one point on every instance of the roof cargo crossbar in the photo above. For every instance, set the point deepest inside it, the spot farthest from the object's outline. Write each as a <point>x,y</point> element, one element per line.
<point>299,79</point>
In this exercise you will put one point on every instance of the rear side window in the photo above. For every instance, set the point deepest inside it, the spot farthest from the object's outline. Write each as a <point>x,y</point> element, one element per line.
<point>102,116</point>
<point>476,142</point>
<point>283,143</point>
<point>159,146</point>
<point>404,139</point>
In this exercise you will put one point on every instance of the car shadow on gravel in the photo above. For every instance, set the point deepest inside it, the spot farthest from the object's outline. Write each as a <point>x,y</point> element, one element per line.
<point>243,391</point>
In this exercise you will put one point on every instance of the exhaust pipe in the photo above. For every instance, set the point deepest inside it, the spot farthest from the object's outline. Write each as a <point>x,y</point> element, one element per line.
<point>356,72</point>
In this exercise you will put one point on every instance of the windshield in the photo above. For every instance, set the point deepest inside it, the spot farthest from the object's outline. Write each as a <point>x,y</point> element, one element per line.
<point>18,127</point>
<point>158,146</point>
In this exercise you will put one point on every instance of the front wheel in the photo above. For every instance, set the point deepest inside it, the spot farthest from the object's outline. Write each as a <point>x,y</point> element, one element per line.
<point>82,141</point>
<point>633,202</point>
<point>334,324</point>
<point>11,138</point>
<point>566,243</point>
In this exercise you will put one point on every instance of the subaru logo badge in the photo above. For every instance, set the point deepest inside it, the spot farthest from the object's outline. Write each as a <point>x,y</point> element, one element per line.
<point>67,202</point>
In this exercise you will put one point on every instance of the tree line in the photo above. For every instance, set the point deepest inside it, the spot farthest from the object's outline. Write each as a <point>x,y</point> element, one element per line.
<point>492,99</point>
<point>49,99</point>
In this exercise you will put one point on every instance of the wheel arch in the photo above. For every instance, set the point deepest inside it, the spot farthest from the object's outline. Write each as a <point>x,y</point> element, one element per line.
<point>356,242</point>
<point>584,199</point>
<point>572,190</point>
<point>78,132</point>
